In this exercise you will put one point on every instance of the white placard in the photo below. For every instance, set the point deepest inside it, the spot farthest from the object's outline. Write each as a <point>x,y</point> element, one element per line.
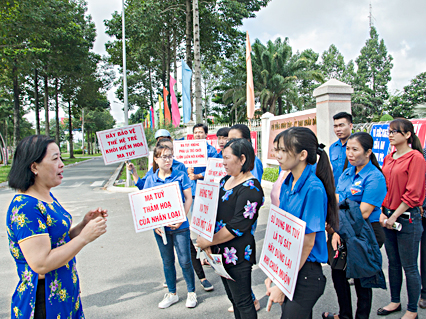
<point>192,153</point>
<point>157,206</point>
<point>214,170</point>
<point>282,249</point>
<point>205,209</point>
<point>217,264</point>
<point>122,144</point>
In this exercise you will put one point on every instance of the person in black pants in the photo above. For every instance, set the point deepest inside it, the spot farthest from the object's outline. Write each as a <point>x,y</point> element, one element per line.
<point>240,198</point>
<point>422,301</point>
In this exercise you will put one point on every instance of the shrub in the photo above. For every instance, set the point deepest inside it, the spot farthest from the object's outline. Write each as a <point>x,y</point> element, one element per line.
<point>270,174</point>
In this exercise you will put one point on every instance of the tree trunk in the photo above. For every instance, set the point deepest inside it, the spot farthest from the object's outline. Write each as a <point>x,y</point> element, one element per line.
<point>70,130</point>
<point>82,130</point>
<point>197,64</point>
<point>46,105</point>
<point>57,113</point>
<point>16,109</point>
<point>150,87</point>
<point>188,40</point>
<point>280,105</point>
<point>36,108</point>
<point>163,64</point>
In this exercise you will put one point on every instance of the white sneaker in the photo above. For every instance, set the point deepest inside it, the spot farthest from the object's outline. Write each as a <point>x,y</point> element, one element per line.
<point>191,300</point>
<point>168,300</point>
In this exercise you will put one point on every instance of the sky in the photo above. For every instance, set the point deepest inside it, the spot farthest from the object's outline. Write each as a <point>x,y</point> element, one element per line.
<point>318,24</point>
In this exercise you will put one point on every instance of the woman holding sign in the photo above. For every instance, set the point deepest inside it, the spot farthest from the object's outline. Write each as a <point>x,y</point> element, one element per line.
<point>178,237</point>
<point>240,198</point>
<point>41,239</point>
<point>311,198</point>
<point>365,184</point>
<point>404,171</point>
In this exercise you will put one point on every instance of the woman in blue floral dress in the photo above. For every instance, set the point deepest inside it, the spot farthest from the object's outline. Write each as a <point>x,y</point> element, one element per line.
<point>240,198</point>
<point>41,239</point>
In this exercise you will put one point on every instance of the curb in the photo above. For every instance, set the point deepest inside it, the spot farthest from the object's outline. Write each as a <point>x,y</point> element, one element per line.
<point>109,186</point>
<point>5,184</point>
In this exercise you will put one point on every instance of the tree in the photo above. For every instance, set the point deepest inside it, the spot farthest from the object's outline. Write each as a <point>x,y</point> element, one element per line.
<point>372,77</point>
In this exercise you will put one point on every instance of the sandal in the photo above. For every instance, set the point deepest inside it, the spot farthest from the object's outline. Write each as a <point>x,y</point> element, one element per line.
<point>329,315</point>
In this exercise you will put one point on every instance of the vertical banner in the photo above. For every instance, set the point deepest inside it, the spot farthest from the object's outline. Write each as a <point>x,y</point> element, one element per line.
<point>205,209</point>
<point>214,170</point>
<point>122,144</point>
<point>157,206</point>
<point>186,92</point>
<point>379,133</point>
<point>282,249</point>
<point>175,107</point>
<point>191,153</point>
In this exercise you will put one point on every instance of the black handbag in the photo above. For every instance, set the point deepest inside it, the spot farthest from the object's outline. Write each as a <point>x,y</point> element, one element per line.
<point>337,258</point>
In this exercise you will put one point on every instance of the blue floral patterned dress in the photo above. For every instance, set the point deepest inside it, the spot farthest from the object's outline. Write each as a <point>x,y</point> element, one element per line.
<point>238,209</point>
<point>28,217</point>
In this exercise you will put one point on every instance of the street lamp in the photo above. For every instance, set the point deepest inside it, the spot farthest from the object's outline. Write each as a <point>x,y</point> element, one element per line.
<point>126,117</point>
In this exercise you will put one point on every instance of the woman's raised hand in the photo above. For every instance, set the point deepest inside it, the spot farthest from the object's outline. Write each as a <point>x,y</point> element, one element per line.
<point>93,229</point>
<point>130,166</point>
<point>94,213</point>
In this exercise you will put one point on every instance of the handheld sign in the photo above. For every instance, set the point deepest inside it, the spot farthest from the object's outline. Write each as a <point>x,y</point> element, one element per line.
<point>157,206</point>
<point>215,170</point>
<point>191,153</point>
<point>217,265</point>
<point>122,144</point>
<point>282,249</point>
<point>205,209</point>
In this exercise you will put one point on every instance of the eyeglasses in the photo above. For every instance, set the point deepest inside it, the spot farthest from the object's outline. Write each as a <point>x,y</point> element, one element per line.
<point>393,132</point>
<point>166,157</point>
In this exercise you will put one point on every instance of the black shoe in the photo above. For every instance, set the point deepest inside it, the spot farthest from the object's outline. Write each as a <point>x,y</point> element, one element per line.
<point>384,312</point>
<point>422,303</point>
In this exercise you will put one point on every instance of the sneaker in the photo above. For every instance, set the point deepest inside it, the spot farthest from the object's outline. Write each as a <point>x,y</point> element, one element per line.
<point>169,299</point>
<point>191,300</point>
<point>206,285</point>
<point>165,284</point>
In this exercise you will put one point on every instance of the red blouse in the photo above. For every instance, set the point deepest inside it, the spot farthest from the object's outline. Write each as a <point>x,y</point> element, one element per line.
<point>405,179</point>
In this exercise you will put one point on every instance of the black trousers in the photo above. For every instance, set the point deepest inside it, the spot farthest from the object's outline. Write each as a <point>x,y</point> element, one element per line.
<point>196,263</point>
<point>40,304</point>
<point>239,291</point>
<point>364,295</point>
<point>309,288</point>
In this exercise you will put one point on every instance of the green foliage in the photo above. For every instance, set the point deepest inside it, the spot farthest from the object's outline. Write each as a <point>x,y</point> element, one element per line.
<point>386,118</point>
<point>78,151</point>
<point>270,174</point>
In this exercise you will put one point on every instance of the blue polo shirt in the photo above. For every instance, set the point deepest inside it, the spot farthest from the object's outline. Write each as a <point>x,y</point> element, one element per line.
<point>337,158</point>
<point>308,202</point>
<point>178,166</point>
<point>176,176</point>
<point>368,186</point>
<point>211,152</point>
<point>258,169</point>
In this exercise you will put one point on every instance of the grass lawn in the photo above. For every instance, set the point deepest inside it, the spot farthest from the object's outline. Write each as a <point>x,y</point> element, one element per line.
<point>4,170</point>
<point>141,173</point>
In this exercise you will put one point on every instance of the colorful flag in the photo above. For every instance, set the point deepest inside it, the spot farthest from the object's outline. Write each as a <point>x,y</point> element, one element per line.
<point>160,111</point>
<point>151,114</point>
<point>186,92</point>
<point>250,85</point>
<point>167,114</point>
<point>175,107</point>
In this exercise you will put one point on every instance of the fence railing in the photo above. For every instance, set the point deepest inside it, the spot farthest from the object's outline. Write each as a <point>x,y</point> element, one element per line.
<point>366,127</point>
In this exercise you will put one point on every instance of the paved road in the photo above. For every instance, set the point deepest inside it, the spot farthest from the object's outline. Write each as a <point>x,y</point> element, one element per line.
<point>121,273</point>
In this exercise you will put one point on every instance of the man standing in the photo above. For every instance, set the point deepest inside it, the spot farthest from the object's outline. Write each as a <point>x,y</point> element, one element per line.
<point>343,129</point>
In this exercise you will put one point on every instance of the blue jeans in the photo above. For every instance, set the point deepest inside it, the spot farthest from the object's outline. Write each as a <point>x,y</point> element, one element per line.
<point>179,239</point>
<point>423,259</point>
<point>402,248</point>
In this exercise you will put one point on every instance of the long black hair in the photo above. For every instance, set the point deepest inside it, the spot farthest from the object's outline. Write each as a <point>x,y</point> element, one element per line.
<point>367,143</point>
<point>297,139</point>
<point>245,131</point>
<point>32,149</point>
<point>405,126</point>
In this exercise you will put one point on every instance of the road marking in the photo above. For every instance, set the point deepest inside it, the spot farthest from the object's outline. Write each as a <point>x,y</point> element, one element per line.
<point>97,183</point>
<point>76,184</point>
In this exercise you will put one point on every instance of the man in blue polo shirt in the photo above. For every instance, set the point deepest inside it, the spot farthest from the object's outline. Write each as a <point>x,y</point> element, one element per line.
<point>343,129</point>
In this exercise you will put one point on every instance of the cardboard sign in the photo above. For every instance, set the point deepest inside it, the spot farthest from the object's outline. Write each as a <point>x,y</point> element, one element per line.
<point>379,133</point>
<point>214,170</point>
<point>122,144</point>
<point>191,153</point>
<point>205,209</point>
<point>157,206</point>
<point>282,249</point>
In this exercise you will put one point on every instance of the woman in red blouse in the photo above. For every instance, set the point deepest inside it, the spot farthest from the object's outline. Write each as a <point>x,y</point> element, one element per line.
<point>404,171</point>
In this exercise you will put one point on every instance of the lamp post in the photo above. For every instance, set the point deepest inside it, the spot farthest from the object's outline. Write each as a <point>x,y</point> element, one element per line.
<point>126,109</point>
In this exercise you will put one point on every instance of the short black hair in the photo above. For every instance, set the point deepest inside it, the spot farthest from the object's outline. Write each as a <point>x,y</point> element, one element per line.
<point>204,126</point>
<point>239,147</point>
<point>223,131</point>
<point>32,149</point>
<point>343,115</point>
<point>245,131</point>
